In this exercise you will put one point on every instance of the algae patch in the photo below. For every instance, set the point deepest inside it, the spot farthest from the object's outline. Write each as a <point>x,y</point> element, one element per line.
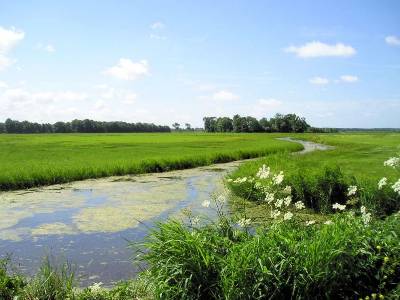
<point>53,228</point>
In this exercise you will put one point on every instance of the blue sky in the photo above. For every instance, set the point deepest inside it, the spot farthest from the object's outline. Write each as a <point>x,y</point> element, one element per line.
<point>335,62</point>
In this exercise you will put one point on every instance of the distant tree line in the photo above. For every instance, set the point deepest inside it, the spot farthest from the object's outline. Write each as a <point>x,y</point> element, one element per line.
<point>84,126</point>
<point>278,123</point>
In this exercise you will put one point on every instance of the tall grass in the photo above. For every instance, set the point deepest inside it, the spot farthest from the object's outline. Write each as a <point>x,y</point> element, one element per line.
<point>57,282</point>
<point>285,261</point>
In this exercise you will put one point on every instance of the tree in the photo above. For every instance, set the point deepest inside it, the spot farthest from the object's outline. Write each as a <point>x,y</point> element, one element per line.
<point>12,126</point>
<point>210,124</point>
<point>253,125</point>
<point>188,127</point>
<point>224,124</point>
<point>279,123</point>
<point>176,126</point>
<point>265,124</point>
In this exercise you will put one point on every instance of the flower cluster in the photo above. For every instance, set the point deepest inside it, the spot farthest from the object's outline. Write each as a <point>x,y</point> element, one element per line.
<point>396,186</point>
<point>352,190</point>
<point>366,217</point>
<point>270,189</point>
<point>338,206</point>
<point>392,162</point>
<point>263,172</point>
<point>382,183</point>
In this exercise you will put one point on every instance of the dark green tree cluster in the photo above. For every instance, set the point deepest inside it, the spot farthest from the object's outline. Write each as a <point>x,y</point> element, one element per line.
<point>279,123</point>
<point>84,126</point>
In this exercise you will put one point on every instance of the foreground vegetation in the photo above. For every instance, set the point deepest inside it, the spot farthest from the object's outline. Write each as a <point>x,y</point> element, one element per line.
<point>306,227</point>
<point>34,160</point>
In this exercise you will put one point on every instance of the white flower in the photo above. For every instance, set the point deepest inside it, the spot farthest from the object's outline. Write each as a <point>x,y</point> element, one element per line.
<point>363,209</point>
<point>311,222</point>
<point>366,217</point>
<point>195,220</point>
<point>288,216</point>
<point>206,203</point>
<point>287,200</point>
<point>351,190</point>
<point>329,222</point>
<point>287,190</point>
<point>382,183</point>
<point>244,222</point>
<point>95,287</point>
<point>392,162</point>
<point>221,199</point>
<point>269,197</point>
<point>339,206</point>
<point>258,186</point>
<point>396,186</point>
<point>229,180</point>
<point>240,180</point>
<point>278,178</point>
<point>275,213</point>
<point>279,203</point>
<point>299,205</point>
<point>263,172</point>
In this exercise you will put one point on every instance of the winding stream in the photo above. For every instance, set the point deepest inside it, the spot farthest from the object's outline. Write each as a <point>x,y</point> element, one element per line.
<point>89,222</point>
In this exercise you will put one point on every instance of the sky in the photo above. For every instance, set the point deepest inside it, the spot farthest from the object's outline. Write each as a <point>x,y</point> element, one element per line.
<point>337,63</point>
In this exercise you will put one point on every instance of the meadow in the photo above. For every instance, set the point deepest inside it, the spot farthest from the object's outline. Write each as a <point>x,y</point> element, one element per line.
<point>29,160</point>
<point>324,225</point>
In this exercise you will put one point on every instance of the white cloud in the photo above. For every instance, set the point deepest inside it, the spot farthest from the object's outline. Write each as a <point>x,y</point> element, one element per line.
<point>269,103</point>
<point>348,78</point>
<point>224,95</point>
<point>319,80</point>
<point>3,85</point>
<point>9,38</point>
<point>157,25</point>
<point>126,69</point>
<point>392,40</point>
<point>318,49</point>
<point>48,48</point>
<point>19,95</point>
<point>22,103</point>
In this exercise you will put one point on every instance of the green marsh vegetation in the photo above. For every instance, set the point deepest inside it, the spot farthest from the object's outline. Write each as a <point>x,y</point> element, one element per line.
<point>326,227</point>
<point>43,159</point>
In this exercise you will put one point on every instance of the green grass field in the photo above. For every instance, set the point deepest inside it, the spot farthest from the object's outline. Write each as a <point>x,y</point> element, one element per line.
<point>42,159</point>
<point>357,154</point>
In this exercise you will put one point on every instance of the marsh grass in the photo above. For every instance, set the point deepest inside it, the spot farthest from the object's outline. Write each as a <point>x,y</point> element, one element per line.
<point>58,282</point>
<point>34,160</point>
<point>283,261</point>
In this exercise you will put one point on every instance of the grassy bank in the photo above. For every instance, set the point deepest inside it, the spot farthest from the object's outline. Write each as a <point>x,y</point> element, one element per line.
<point>34,160</point>
<point>322,178</point>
